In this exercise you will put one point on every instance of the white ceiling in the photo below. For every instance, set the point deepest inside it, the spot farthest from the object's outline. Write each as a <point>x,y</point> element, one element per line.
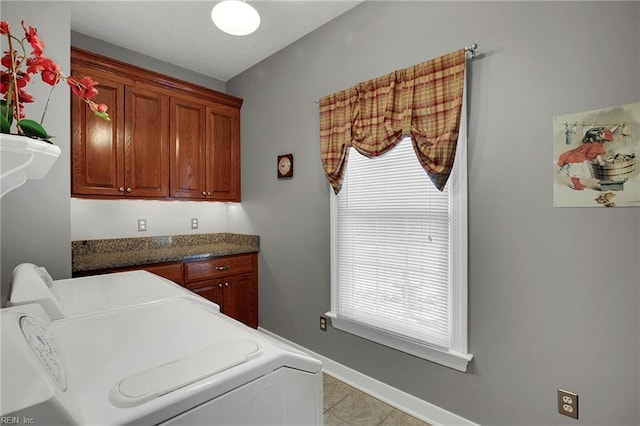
<point>181,32</point>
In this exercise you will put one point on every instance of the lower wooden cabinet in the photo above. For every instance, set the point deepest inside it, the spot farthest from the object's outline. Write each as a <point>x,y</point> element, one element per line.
<point>231,282</point>
<point>236,295</point>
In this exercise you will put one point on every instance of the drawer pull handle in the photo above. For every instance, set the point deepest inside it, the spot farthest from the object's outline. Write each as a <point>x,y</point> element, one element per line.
<point>201,289</point>
<point>222,268</point>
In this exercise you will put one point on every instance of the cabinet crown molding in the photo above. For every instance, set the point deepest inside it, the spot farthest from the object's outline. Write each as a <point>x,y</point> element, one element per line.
<point>139,74</point>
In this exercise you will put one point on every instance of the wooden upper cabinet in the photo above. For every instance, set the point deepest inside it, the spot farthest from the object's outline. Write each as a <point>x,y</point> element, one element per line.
<point>223,153</point>
<point>98,145</point>
<point>146,143</point>
<point>205,151</point>
<point>128,155</point>
<point>166,139</point>
<point>188,149</point>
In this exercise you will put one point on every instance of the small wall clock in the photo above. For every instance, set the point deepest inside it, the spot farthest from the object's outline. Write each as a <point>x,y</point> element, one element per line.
<point>285,166</point>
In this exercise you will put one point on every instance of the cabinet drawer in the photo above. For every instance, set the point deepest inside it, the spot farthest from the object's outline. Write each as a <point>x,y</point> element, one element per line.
<point>218,267</point>
<point>171,272</point>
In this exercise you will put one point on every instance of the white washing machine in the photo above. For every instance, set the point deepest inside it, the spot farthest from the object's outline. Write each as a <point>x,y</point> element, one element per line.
<point>89,295</point>
<point>172,361</point>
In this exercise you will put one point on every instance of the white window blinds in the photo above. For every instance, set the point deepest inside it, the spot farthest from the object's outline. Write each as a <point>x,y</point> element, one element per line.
<point>392,260</point>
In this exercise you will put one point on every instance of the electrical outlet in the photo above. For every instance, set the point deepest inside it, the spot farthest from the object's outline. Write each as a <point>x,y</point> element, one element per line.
<point>568,403</point>
<point>142,225</point>
<point>194,223</point>
<point>323,323</point>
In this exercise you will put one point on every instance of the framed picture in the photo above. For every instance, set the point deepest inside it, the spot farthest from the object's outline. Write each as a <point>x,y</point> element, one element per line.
<point>596,158</point>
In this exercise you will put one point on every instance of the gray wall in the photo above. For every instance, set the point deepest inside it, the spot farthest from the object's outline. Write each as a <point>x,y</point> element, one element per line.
<point>553,292</point>
<point>35,217</point>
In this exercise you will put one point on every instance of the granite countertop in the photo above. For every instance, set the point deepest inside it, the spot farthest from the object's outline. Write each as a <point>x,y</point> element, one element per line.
<point>93,255</point>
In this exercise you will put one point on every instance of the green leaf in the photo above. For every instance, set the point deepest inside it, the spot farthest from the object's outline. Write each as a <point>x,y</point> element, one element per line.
<point>102,115</point>
<point>33,128</point>
<point>7,115</point>
<point>5,126</point>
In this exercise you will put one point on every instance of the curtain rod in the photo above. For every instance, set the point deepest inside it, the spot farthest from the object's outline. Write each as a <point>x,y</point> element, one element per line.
<point>471,49</point>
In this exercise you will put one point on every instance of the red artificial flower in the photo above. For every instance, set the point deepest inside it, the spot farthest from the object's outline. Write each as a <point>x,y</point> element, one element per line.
<point>19,115</point>
<point>40,63</point>
<point>96,107</point>
<point>25,97</point>
<point>5,80</point>
<point>6,60</point>
<point>51,78</point>
<point>49,70</point>
<point>14,77</point>
<point>23,78</point>
<point>75,86</point>
<point>32,37</point>
<point>84,89</point>
<point>22,97</point>
<point>90,90</point>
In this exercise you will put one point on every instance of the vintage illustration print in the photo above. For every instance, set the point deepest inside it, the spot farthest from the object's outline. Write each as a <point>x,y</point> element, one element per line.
<point>596,158</point>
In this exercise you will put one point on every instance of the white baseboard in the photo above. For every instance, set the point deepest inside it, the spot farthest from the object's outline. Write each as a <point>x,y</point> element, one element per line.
<point>403,401</point>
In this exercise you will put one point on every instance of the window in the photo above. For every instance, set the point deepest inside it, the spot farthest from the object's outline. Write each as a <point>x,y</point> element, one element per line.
<point>399,255</point>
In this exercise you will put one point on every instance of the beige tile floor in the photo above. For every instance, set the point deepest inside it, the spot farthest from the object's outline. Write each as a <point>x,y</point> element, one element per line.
<point>347,406</point>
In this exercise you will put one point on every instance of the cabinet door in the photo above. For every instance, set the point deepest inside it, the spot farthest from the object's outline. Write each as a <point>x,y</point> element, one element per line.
<point>146,143</point>
<point>223,153</point>
<point>239,299</point>
<point>97,146</point>
<point>188,138</point>
<point>210,290</point>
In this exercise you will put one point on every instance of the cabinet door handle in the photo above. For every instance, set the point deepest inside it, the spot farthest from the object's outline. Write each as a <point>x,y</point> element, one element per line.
<point>208,193</point>
<point>204,193</point>
<point>121,189</point>
<point>226,284</point>
<point>129,189</point>
<point>220,285</point>
<point>222,268</point>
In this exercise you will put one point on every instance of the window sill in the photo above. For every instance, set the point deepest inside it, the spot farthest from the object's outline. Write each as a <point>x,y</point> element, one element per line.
<point>443,356</point>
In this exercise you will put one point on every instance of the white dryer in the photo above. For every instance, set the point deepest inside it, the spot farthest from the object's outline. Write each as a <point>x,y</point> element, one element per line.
<point>92,294</point>
<point>170,362</point>
<point>134,348</point>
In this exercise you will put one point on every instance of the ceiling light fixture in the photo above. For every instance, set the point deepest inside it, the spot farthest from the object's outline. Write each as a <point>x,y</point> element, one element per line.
<point>235,17</point>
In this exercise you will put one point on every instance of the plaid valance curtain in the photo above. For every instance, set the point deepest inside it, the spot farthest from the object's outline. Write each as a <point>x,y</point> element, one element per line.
<point>423,101</point>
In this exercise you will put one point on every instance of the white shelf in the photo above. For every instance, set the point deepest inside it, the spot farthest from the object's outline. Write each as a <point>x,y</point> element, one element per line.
<point>23,158</point>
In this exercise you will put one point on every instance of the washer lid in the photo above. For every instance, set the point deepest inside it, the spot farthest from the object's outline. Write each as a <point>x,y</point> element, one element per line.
<point>154,382</point>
